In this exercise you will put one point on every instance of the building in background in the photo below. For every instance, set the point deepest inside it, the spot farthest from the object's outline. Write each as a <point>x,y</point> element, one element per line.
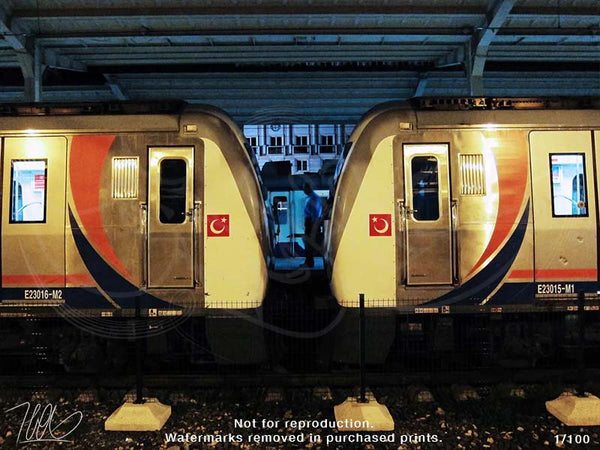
<point>307,147</point>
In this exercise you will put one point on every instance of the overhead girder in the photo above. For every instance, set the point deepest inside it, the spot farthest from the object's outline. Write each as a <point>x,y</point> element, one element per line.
<point>115,87</point>
<point>27,56</point>
<point>31,57</point>
<point>304,8</point>
<point>437,36</point>
<point>332,96</point>
<point>482,40</point>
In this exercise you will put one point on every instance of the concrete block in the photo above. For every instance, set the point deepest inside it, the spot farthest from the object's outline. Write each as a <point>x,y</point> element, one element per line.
<point>131,396</point>
<point>517,392</point>
<point>87,396</point>
<point>420,394</point>
<point>322,393</point>
<point>370,416</point>
<point>148,416</point>
<point>274,395</point>
<point>464,393</point>
<point>576,411</point>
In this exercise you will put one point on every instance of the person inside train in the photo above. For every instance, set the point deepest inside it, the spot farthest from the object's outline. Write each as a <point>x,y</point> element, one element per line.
<point>312,225</point>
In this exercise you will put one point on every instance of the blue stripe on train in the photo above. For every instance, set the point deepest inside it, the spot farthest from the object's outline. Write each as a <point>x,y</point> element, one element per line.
<point>524,293</point>
<point>483,284</point>
<point>77,298</point>
<point>110,281</point>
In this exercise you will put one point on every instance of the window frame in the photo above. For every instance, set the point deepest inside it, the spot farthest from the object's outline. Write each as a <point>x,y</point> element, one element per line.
<point>160,195</point>
<point>587,203</point>
<point>412,187</point>
<point>11,198</point>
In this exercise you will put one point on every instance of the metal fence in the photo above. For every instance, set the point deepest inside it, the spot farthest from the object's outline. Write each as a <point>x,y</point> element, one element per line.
<point>302,329</point>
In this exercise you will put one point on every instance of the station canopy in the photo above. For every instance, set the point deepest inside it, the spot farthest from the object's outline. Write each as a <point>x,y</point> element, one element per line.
<point>296,61</point>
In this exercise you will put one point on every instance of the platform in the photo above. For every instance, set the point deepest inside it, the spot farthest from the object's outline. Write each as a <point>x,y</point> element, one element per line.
<point>289,264</point>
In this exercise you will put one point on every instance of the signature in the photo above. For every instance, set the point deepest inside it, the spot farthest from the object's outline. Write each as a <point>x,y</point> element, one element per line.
<point>40,426</point>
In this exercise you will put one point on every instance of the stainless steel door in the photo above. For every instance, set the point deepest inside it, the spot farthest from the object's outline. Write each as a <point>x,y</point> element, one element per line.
<point>428,218</point>
<point>171,217</point>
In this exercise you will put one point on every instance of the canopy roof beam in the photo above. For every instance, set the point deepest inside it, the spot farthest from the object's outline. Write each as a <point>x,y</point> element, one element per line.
<point>482,39</point>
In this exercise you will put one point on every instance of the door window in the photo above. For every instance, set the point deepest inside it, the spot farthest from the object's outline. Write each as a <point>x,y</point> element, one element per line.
<point>425,196</point>
<point>172,190</point>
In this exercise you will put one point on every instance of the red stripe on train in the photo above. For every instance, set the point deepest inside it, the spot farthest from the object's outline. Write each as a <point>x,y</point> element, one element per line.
<point>88,155</point>
<point>47,280</point>
<point>512,166</point>
<point>555,274</point>
<point>33,280</point>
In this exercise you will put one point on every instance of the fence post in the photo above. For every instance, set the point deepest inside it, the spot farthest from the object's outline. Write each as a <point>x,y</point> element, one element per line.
<point>581,343</point>
<point>361,338</point>
<point>139,352</point>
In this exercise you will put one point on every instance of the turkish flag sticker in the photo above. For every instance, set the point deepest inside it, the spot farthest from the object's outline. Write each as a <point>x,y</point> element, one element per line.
<point>380,224</point>
<point>217,225</point>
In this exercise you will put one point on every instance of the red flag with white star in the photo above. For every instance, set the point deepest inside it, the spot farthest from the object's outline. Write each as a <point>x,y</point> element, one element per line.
<point>380,224</point>
<point>217,225</point>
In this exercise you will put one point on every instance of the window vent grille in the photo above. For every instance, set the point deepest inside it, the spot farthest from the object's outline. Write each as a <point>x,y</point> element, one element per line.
<point>472,175</point>
<point>125,173</point>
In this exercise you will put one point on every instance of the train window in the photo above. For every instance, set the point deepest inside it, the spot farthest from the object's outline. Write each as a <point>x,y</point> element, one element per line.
<point>569,196</point>
<point>172,190</point>
<point>125,177</point>
<point>472,175</point>
<point>28,191</point>
<point>425,201</point>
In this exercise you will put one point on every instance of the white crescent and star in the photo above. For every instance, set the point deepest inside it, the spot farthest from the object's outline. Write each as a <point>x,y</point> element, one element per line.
<point>385,228</point>
<point>219,230</point>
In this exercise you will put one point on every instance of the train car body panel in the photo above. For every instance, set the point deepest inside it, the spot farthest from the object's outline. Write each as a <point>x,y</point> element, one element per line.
<point>229,263</point>
<point>373,273</point>
<point>33,205</point>
<point>127,198</point>
<point>489,184</point>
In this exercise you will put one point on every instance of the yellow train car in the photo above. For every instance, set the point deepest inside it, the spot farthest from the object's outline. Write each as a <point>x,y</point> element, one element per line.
<point>103,204</point>
<point>447,205</point>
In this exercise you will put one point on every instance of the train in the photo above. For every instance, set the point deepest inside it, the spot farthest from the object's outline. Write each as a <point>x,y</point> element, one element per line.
<point>109,204</point>
<point>286,199</point>
<point>437,208</point>
<point>466,205</point>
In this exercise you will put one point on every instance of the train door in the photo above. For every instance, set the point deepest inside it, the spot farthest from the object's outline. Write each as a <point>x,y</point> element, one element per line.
<point>33,212</point>
<point>564,209</point>
<point>427,214</point>
<point>171,217</point>
<point>284,241</point>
